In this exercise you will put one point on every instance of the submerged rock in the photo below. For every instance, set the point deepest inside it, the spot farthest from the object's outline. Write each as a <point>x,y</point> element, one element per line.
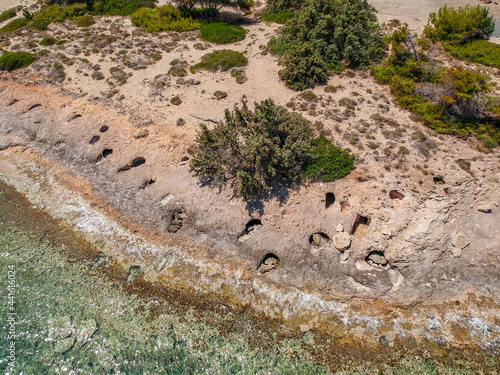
<point>133,273</point>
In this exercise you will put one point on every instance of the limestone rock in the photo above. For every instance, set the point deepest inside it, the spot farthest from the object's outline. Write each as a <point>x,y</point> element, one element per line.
<point>460,241</point>
<point>340,227</point>
<point>342,241</point>
<point>317,239</point>
<point>456,252</point>
<point>269,264</point>
<point>377,257</point>
<point>344,256</point>
<point>484,207</point>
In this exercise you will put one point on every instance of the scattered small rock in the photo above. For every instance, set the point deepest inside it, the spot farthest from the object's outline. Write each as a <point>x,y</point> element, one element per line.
<point>456,252</point>
<point>269,264</point>
<point>483,206</point>
<point>340,227</point>
<point>377,257</point>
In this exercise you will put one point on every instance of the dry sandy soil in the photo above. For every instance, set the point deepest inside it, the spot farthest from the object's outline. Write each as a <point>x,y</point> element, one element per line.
<point>416,222</point>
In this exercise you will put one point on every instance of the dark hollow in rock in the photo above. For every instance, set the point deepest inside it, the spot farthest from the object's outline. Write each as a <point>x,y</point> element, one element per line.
<point>13,101</point>
<point>438,180</point>
<point>393,194</point>
<point>360,225</point>
<point>268,263</point>
<point>330,199</point>
<point>447,191</point>
<point>147,183</point>
<point>74,116</point>
<point>319,239</point>
<point>104,128</point>
<point>94,139</point>
<point>34,106</point>
<point>177,218</point>
<point>252,225</point>
<point>133,273</point>
<point>134,163</point>
<point>104,154</point>
<point>376,258</point>
<point>185,158</point>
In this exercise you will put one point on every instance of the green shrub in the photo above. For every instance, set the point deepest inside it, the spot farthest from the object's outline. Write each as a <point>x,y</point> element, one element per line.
<point>220,94</point>
<point>6,14</point>
<point>222,33</point>
<point>329,163</point>
<point>460,24</point>
<point>176,100</point>
<point>304,68</point>
<point>221,60</point>
<point>14,25</point>
<point>479,51</point>
<point>280,17</point>
<point>72,12</point>
<point>48,41</point>
<point>120,7</point>
<point>85,21</point>
<point>15,60</point>
<point>262,148</point>
<point>43,18</point>
<point>277,6</point>
<point>163,19</point>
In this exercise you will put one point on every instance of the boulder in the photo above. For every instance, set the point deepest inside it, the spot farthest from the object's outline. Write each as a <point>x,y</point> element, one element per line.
<point>377,257</point>
<point>316,241</point>
<point>456,252</point>
<point>484,207</point>
<point>340,227</point>
<point>342,241</point>
<point>460,241</point>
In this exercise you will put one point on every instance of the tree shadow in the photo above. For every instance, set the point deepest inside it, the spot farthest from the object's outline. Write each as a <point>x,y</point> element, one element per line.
<point>280,192</point>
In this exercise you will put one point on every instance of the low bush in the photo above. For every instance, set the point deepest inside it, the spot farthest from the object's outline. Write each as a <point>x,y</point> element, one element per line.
<point>120,7</point>
<point>14,25</point>
<point>6,14</point>
<point>162,19</point>
<point>176,100</point>
<point>48,41</point>
<point>43,18</point>
<point>479,51</point>
<point>221,60</point>
<point>222,33</point>
<point>84,21</point>
<point>16,60</point>
<point>220,94</point>
<point>280,17</point>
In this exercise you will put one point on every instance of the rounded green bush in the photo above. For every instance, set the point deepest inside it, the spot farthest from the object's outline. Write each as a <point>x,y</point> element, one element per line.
<point>47,41</point>
<point>15,60</point>
<point>220,60</point>
<point>9,13</point>
<point>85,21</point>
<point>222,33</point>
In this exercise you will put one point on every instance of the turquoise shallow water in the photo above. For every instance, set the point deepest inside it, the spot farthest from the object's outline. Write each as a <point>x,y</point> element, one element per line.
<point>71,320</point>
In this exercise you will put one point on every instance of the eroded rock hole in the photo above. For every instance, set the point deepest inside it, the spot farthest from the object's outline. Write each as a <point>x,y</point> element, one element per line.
<point>74,116</point>
<point>438,180</point>
<point>319,239</point>
<point>147,183</point>
<point>133,164</point>
<point>268,263</point>
<point>252,225</point>
<point>13,101</point>
<point>376,258</point>
<point>104,128</point>
<point>94,139</point>
<point>104,154</point>
<point>177,218</point>
<point>330,199</point>
<point>34,106</point>
<point>360,226</point>
<point>394,194</point>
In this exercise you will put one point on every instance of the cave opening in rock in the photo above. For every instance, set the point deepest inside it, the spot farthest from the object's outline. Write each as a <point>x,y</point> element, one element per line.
<point>104,128</point>
<point>252,225</point>
<point>438,180</point>
<point>94,139</point>
<point>360,226</point>
<point>376,258</point>
<point>176,222</point>
<point>330,199</point>
<point>34,106</point>
<point>133,164</point>
<point>104,154</point>
<point>76,115</point>
<point>394,194</point>
<point>319,239</point>
<point>268,263</point>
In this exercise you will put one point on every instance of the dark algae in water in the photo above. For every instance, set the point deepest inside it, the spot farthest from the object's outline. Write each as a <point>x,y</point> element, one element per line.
<point>70,319</point>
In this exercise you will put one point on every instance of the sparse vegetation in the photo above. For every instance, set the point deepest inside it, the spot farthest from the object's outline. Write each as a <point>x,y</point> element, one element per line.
<point>220,94</point>
<point>222,33</point>
<point>85,21</point>
<point>176,100</point>
<point>279,17</point>
<point>257,149</point>
<point>14,25</point>
<point>15,60</point>
<point>48,41</point>
<point>220,60</point>
<point>162,19</point>
<point>6,14</point>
